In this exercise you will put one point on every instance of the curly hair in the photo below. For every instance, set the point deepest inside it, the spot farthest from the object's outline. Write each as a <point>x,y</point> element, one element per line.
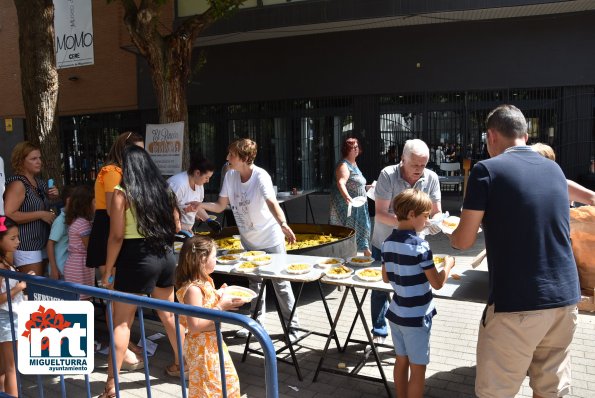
<point>193,256</point>
<point>149,197</point>
<point>245,149</point>
<point>19,153</point>
<point>80,204</point>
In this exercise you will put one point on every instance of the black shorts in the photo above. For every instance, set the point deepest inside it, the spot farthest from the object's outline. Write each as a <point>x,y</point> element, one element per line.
<point>140,271</point>
<point>97,249</point>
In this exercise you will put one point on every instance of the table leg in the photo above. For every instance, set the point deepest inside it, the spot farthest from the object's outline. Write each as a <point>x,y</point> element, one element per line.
<point>332,333</point>
<point>360,313</point>
<point>354,322</point>
<point>253,316</point>
<point>285,327</point>
<point>328,316</point>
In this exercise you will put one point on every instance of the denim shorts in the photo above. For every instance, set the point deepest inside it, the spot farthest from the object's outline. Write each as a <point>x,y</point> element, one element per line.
<point>5,332</point>
<point>412,342</point>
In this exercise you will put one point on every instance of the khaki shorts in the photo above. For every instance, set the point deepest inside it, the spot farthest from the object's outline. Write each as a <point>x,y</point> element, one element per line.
<point>513,344</point>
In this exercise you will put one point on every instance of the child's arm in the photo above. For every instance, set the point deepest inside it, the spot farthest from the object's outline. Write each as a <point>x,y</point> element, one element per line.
<point>438,279</point>
<point>54,271</point>
<point>85,240</point>
<point>13,292</point>
<point>194,297</point>
<point>384,275</point>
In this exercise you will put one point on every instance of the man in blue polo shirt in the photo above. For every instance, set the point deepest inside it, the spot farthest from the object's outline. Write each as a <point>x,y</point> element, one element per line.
<point>521,200</point>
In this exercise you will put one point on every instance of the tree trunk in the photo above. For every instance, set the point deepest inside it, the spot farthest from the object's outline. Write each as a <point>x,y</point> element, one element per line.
<point>169,82</point>
<point>39,80</point>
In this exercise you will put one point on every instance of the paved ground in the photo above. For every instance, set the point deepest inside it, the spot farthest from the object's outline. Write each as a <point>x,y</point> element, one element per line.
<point>451,371</point>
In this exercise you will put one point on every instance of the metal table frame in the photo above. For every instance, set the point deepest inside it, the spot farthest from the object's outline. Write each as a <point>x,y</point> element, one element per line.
<point>275,272</point>
<point>350,285</point>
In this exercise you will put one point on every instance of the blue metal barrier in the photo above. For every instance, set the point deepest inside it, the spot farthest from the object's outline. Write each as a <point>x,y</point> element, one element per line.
<point>177,309</point>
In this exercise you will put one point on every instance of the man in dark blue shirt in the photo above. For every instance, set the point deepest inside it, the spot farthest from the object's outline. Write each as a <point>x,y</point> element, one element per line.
<point>521,200</point>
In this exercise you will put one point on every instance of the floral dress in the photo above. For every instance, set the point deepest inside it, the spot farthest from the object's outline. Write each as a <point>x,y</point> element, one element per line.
<point>200,352</point>
<point>360,218</point>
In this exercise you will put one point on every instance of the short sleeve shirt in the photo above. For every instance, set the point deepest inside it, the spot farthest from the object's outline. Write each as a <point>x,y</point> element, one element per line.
<point>524,197</point>
<point>258,227</point>
<point>390,184</point>
<point>2,185</point>
<point>59,234</point>
<point>185,194</point>
<point>406,257</point>
<point>109,176</point>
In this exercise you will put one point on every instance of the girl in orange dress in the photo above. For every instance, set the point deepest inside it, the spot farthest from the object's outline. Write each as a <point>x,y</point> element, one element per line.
<point>195,287</point>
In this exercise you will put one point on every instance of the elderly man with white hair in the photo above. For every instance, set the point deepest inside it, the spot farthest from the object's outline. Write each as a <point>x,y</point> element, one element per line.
<point>411,172</point>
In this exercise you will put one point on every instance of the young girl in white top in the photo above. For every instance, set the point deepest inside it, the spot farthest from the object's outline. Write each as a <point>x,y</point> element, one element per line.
<point>9,241</point>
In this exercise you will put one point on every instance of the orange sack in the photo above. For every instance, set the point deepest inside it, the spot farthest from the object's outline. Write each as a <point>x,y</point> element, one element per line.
<point>582,234</point>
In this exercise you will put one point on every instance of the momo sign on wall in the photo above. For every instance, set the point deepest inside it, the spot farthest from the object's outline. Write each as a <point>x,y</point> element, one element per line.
<point>73,23</point>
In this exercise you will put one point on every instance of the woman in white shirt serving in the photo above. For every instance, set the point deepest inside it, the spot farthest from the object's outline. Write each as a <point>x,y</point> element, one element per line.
<point>189,189</point>
<point>248,189</point>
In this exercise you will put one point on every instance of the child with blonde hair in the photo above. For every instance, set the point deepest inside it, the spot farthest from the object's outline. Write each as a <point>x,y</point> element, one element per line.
<point>195,287</point>
<point>408,265</point>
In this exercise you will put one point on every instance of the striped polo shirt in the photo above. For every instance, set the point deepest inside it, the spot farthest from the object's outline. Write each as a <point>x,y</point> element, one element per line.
<point>405,257</point>
<point>33,235</point>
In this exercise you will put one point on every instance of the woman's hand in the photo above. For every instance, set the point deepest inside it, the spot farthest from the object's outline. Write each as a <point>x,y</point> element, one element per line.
<point>48,217</point>
<point>53,193</point>
<point>107,280</point>
<point>191,207</point>
<point>288,233</point>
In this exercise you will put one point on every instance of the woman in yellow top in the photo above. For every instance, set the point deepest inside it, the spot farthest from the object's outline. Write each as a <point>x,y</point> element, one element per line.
<point>108,177</point>
<point>140,258</point>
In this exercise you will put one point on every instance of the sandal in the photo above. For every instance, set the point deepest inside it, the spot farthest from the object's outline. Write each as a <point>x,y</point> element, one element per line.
<point>108,393</point>
<point>138,350</point>
<point>173,370</point>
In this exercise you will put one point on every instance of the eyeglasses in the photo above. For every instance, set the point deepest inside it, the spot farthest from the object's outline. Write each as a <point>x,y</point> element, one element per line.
<point>355,147</point>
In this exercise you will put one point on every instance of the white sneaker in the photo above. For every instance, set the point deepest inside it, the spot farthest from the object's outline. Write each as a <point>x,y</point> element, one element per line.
<point>242,333</point>
<point>379,340</point>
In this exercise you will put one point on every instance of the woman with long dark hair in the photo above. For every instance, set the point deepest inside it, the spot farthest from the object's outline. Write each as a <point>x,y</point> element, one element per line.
<point>139,251</point>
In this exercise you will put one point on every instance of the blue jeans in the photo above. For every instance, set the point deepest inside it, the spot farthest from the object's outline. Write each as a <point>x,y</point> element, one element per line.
<point>379,305</point>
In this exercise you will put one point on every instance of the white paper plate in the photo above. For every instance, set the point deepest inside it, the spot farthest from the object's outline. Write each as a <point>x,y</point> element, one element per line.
<point>452,222</point>
<point>339,276</point>
<point>359,201</point>
<point>228,259</point>
<point>249,255</point>
<point>360,261</point>
<point>290,268</point>
<point>324,263</point>
<point>239,268</point>
<point>439,260</point>
<point>360,273</point>
<point>283,194</point>
<point>240,292</point>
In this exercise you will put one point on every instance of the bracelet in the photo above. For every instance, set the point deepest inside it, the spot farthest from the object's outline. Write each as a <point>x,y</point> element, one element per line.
<point>284,223</point>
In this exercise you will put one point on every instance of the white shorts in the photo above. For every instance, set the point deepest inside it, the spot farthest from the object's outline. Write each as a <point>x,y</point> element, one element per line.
<point>21,257</point>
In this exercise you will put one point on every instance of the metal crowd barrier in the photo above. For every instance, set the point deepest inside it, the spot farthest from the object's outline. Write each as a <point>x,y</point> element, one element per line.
<point>219,317</point>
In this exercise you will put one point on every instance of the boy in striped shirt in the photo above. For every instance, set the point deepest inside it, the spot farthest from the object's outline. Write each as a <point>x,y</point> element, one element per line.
<point>408,265</point>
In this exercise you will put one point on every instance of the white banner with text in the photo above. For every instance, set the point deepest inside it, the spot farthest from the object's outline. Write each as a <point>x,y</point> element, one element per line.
<point>73,23</point>
<point>165,144</point>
